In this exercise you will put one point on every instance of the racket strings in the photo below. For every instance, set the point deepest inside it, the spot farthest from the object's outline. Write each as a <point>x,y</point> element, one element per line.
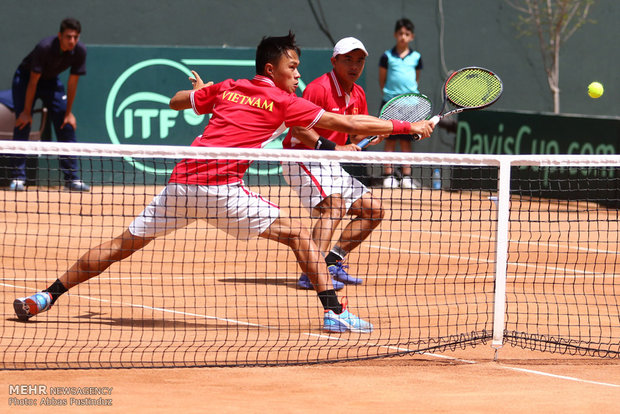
<point>473,88</point>
<point>407,108</point>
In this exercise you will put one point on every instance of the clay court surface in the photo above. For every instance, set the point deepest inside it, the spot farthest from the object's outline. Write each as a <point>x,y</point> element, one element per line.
<point>239,302</point>
<point>417,383</point>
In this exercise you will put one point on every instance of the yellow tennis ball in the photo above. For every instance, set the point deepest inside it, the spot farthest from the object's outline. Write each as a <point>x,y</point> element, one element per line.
<point>595,90</point>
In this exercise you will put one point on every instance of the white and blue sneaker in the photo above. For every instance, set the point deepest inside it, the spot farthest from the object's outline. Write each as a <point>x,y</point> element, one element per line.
<point>338,273</point>
<point>305,283</point>
<point>345,321</point>
<point>391,182</point>
<point>26,308</point>
<point>77,185</point>
<point>17,185</point>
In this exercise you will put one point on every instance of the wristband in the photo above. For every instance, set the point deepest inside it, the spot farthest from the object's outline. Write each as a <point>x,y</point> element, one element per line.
<point>400,127</point>
<point>325,144</point>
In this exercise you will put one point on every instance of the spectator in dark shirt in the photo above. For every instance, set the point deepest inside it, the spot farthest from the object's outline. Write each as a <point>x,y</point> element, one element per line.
<point>37,77</point>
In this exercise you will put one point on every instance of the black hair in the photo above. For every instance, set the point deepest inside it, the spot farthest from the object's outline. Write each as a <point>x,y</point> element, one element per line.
<point>406,23</point>
<point>71,24</point>
<point>271,49</point>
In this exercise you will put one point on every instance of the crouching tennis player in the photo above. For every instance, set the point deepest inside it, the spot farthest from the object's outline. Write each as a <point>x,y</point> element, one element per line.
<point>246,113</point>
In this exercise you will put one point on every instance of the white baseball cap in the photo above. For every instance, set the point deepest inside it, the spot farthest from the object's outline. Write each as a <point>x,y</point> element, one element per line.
<point>348,44</point>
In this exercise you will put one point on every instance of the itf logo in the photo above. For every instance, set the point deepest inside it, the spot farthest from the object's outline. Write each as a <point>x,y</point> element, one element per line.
<point>137,111</point>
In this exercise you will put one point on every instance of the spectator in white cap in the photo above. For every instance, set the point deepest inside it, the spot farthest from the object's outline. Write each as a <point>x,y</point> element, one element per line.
<point>325,189</point>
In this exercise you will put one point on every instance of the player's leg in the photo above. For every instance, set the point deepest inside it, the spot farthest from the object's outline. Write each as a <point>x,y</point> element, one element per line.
<point>406,181</point>
<point>57,106</point>
<point>318,192</point>
<point>91,264</point>
<point>368,214</point>
<point>18,162</point>
<point>245,214</point>
<point>336,316</point>
<point>167,212</point>
<point>355,199</point>
<point>98,259</point>
<point>329,191</point>
<point>390,180</point>
<point>330,212</point>
<point>292,234</point>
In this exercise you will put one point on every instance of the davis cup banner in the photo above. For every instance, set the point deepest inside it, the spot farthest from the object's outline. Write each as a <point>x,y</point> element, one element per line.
<point>503,132</point>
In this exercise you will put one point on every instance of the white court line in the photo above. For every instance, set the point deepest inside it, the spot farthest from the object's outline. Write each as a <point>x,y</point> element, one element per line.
<point>329,337</point>
<point>489,261</point>
<point>164,310</point>
<point>395,348</point>
<point>467,361</point>
<point>537,242</point>
<point>564,377</point>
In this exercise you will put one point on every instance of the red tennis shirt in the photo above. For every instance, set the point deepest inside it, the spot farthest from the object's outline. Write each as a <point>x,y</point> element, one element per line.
<point>246,114</point>
<point>326,92</point>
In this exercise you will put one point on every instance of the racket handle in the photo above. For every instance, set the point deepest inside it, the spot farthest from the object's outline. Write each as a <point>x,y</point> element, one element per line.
<point>434,120</point>
<point>365,142</point>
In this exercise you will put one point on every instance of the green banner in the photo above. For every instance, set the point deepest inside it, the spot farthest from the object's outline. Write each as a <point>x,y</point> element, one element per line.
<point>497,132</point>
<point>124,97</point>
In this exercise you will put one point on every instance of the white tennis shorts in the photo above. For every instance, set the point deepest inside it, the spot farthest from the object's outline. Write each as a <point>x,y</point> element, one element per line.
<point>230,207</point>
<point>315,181</point>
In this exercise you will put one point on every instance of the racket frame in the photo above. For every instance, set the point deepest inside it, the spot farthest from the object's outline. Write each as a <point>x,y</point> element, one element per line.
<point>435,119</point>
<point>363,143</point>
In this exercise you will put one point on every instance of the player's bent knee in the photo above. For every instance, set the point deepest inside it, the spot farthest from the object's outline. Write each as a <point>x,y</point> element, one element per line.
<point>128,243</point>
<point>372,209</point>
<point>288,232</point>
<point>298,231</point>
<point>333,206</point>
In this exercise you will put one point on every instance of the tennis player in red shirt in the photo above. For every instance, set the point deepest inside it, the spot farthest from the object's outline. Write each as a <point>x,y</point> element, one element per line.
<point>325,188</point>
<point>246,114</point>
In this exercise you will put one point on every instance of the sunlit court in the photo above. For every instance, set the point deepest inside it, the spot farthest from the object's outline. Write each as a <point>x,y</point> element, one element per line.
<point>310,206</point>
<point>198,297</point>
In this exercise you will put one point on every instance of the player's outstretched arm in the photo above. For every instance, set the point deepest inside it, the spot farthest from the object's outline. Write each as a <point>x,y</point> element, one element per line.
<point>181,100</point>
<point>310,138</point>
<point>423,128</point>
<point>370,125</point>
<point>377,140</point>
<point>196,81</point>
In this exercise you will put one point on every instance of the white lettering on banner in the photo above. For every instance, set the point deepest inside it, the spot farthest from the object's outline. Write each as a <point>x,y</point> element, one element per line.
<point>469,142</point>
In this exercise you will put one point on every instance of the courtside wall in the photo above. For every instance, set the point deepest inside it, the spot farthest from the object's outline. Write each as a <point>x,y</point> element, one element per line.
<point>474,33</point>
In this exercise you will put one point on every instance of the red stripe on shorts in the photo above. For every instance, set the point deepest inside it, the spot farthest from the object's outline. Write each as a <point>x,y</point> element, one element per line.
<point>313,178</point>
<point>252,194</point>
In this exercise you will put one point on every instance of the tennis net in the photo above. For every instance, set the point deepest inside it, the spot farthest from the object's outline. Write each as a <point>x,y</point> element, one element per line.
<point>519,250</point>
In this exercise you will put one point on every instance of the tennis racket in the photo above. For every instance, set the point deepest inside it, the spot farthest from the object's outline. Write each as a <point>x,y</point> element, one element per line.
<point>410,107</point>
<point>468,88</point>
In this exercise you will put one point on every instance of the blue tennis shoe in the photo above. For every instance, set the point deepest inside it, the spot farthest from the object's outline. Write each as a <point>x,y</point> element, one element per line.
<point>26,308</point>
<point>339,273</point>
<point>345,321</point>
<point>305,283</point>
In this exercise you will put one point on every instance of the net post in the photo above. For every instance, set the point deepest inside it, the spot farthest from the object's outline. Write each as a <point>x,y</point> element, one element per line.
<point>501,256</point>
